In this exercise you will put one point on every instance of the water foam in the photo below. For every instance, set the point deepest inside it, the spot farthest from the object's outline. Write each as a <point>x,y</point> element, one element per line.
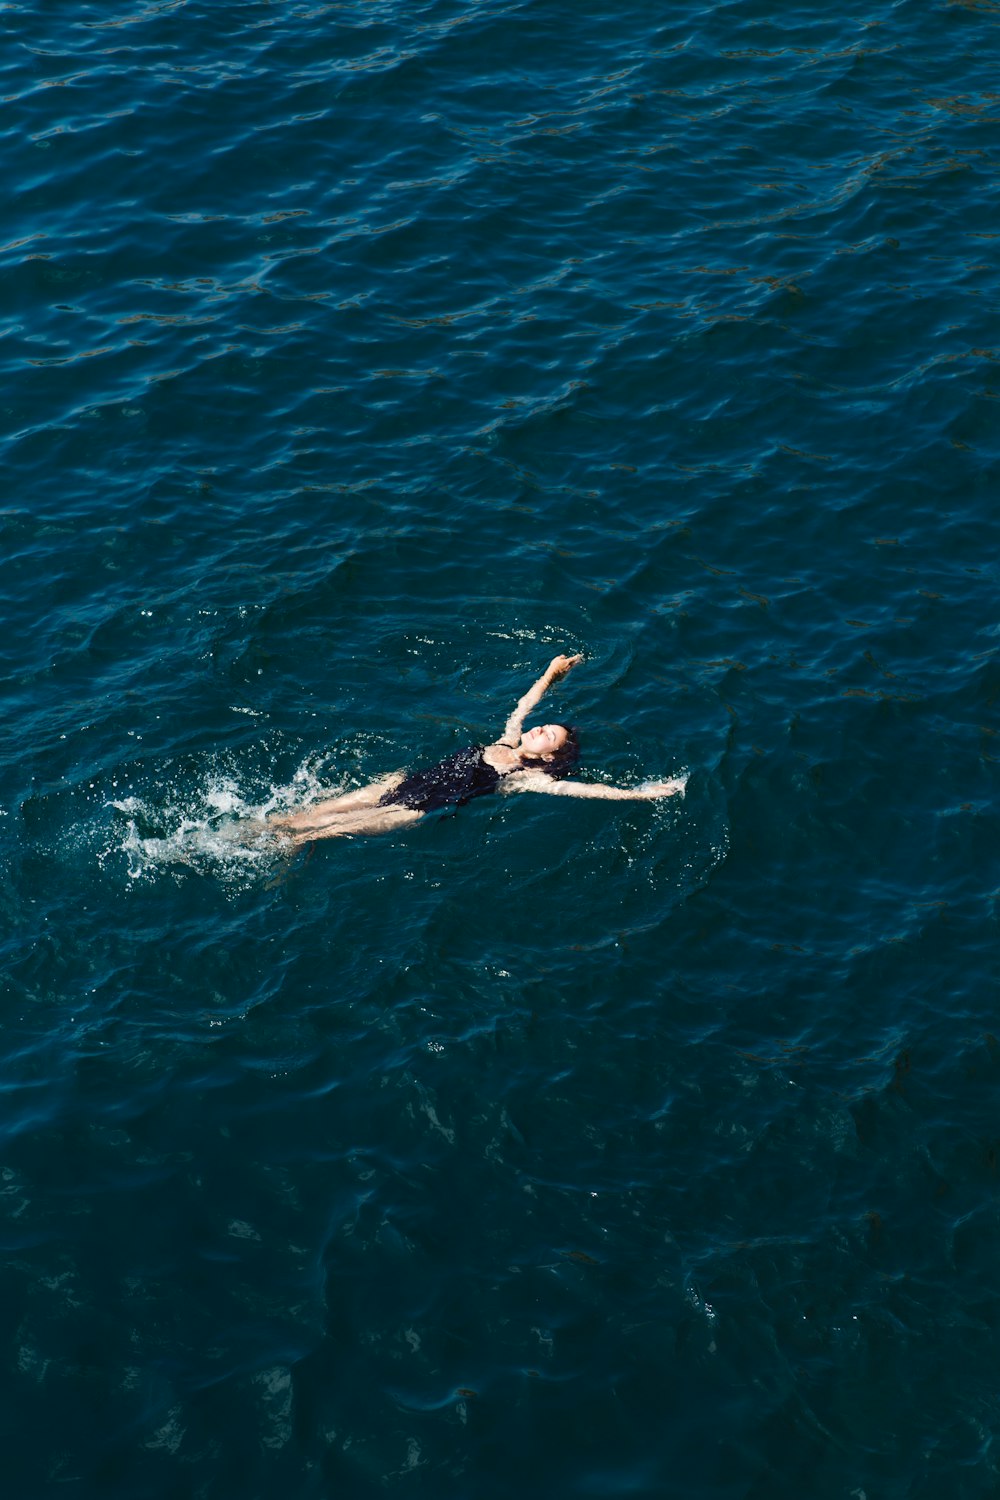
<point>216,825</point>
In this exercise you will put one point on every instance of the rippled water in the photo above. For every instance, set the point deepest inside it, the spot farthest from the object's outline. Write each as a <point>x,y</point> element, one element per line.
<point>357,358</point>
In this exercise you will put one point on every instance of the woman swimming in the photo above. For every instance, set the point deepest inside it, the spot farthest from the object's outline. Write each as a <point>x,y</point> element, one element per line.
<point>536,760</point>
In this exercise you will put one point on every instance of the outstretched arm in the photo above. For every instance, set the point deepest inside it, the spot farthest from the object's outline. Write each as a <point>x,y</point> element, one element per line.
<point>557,667</point>
<point>537,781</point>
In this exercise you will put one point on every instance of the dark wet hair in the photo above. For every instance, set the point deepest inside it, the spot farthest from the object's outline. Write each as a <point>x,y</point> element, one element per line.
<point>562,761</point>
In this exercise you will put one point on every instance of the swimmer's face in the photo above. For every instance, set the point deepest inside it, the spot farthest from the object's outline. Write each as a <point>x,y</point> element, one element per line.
<point>544,740</point>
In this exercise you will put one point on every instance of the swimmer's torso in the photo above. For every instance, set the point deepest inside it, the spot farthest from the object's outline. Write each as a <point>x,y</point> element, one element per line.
<point>455,780</point>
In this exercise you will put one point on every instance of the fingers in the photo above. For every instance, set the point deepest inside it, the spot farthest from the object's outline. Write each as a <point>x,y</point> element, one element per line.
<point>674,787</point>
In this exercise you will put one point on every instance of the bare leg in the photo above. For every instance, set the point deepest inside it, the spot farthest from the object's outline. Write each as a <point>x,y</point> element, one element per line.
<point>336,825</point>
<point>335,807</point>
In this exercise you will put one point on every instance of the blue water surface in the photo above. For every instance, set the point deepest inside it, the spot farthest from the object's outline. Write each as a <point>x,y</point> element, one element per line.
<point>357,358</point>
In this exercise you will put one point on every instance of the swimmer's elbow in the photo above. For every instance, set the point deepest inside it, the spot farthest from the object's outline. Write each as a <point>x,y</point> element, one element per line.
<point>587,789</point>
<point>602,790</point>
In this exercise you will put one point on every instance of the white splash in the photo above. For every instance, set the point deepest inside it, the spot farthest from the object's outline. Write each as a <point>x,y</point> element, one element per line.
<point>216,826</point>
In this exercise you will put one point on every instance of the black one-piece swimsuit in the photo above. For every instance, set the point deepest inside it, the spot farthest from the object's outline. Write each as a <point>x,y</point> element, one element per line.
<point>451,782</point>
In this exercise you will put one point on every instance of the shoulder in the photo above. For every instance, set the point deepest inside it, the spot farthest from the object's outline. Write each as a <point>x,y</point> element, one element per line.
<point>528,780</point>
<point>501,757</point>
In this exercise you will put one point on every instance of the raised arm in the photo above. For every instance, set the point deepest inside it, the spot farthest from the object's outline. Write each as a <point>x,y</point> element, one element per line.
<point>557,667</point>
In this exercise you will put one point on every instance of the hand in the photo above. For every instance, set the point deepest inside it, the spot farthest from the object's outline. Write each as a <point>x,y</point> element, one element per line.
<point>560,665</point>
<point>670,788</point>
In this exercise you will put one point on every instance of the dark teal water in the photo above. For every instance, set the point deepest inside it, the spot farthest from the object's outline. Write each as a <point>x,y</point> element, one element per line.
<point>357,358</point>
